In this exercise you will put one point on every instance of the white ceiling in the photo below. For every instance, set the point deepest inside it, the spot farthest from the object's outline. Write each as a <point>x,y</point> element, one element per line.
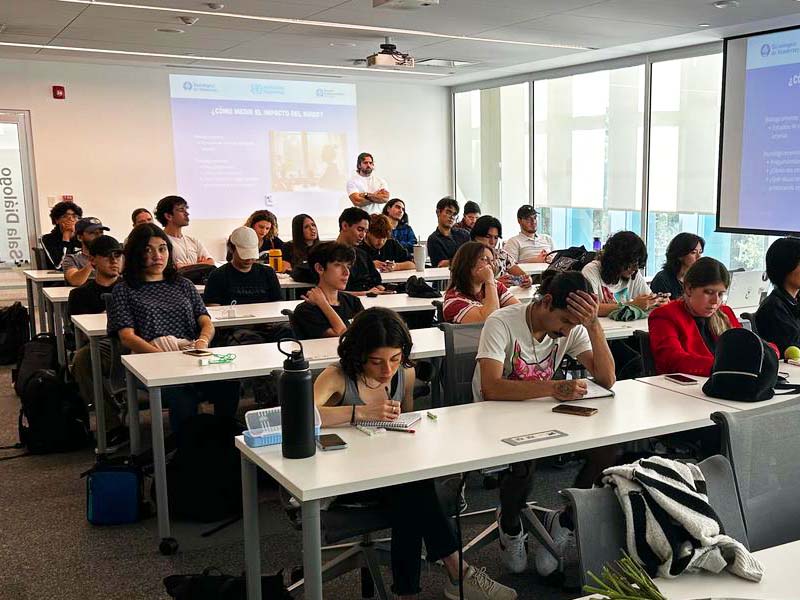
<point>613,27</point>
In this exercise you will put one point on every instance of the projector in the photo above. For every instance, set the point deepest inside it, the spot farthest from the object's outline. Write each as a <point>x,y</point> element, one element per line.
<point>390,58</point>
<point>403,4</point>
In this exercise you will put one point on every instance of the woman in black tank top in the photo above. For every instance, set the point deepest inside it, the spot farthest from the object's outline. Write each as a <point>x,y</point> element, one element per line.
<point>374,380</point>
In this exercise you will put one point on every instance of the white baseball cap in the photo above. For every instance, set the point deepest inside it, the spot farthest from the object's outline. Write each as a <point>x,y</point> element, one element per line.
<point>246,242</point>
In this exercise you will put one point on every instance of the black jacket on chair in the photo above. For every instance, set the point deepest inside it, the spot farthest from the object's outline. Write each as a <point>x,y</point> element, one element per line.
<point>778,320</point>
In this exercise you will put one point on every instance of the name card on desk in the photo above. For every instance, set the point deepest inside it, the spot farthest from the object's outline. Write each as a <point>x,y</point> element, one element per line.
<point>529,438</point>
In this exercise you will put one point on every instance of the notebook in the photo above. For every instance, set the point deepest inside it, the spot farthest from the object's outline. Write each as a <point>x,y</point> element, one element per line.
<point>595,390</point>
<point>404,421</point>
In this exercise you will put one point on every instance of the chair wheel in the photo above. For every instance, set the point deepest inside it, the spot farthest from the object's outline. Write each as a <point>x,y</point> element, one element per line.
<point>168,546</point>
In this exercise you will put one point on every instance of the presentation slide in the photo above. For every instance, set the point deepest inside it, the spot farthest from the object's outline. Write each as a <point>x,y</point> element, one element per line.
<point>762,129</point>
<point>248,144</point>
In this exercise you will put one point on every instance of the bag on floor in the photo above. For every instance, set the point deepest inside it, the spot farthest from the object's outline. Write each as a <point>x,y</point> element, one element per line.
<point>52,417</point>
<point>114,492</point>
<point>39,353</point>
<point>204,476</point>
<point>14,332</point>
<point>212,584</point>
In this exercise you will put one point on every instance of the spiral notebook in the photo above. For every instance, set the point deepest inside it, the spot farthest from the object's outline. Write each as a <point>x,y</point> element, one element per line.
<point>404,421</point>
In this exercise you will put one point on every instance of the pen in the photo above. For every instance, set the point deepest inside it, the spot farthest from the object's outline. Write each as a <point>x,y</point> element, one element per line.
<point>401,430</point>
<point>431,415</point>
<point>365,430</point>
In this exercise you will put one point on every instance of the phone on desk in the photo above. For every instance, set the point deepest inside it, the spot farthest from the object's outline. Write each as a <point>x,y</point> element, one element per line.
<point>680,379</point>
<point>196,352</point>
<point>331,441</point>
<point>571,409</point>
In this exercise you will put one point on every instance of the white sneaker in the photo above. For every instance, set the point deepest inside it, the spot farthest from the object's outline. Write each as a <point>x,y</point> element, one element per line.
<point>544,561</point>
<point>513,548</point>
<point>479,586</point>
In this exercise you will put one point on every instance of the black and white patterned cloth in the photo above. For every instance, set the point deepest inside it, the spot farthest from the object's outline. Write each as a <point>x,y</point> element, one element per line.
<point>670,526</point>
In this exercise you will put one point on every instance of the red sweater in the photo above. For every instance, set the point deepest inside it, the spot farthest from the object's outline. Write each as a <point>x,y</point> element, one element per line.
<point>676,343</point>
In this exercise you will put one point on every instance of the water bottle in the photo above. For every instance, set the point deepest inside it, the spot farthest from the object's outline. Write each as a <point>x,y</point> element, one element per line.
<point>419,257</point>
<point>296,396</point>
<point>596,244</point>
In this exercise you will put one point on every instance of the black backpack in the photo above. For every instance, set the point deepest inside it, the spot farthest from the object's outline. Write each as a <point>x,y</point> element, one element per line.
<point>14,332</point>
<point>204,476</point>
<point>570,259</point>
<point>745,369</point>
<point>40,353</point>
<point>53,416</point>
<point>212,584</point>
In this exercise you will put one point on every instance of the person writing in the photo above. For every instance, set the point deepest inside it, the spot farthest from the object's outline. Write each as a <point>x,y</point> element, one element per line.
<point>386,253</point>
<point>682,252</point>
<point>374,380</point>
<point>472,211</point>
<point>778,318</point>
<point>474,293</point>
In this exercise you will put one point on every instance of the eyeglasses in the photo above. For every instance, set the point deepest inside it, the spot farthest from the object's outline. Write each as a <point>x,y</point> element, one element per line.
<point>71,216</point>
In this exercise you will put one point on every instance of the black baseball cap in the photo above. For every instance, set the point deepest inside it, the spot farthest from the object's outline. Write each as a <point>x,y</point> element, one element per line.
<point>89,224</point>
<point>105,245</point>
<point>525,211</point>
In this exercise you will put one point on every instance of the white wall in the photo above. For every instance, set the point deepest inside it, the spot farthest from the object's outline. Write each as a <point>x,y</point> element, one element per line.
<point>109,144</point>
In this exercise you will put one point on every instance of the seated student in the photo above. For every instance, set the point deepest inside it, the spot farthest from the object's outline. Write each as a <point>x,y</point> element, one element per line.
<point>385,253</point>
<point>474,293</point>
<point>61,240</point>
<point>614,276</point>
<point>445,240</point>
<point>520,349</point>
<point>528,246</point>
<point>778,317</point>
<point>141,215</point>
<point>173,214</point>
<point>105,255</point>
<point>489,231</point>
<point>327,309</point>
<point>683,250</point>
<point>304,237</point>
<point>683,334</point>
<point>77,267</point>
<point>156,310</point>
<point>374,380</point>
<point>472,211</point>
<point>395,209</point>
<point>265,225</point>
<point>364,277</point>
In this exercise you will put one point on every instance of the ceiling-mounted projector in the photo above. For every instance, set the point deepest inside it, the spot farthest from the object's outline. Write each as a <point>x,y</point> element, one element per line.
<point>390,58</point>
<point>403,4</point>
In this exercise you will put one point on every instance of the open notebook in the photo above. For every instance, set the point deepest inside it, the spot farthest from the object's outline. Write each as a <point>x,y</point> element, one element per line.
<point>404,421</point>
<point>595,390</point>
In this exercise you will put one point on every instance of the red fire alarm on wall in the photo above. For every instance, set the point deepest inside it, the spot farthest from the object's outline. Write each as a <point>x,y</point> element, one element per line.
<point>58,92</point>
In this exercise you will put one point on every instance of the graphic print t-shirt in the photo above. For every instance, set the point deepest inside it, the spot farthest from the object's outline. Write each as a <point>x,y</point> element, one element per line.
<point>622,291</point>
<point>506,338</point>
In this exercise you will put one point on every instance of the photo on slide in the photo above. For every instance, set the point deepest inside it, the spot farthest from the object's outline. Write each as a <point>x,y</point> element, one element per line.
<point>307,160</point>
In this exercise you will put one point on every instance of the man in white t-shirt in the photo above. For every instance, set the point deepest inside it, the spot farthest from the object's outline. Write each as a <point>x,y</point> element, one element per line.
<point>521,348</point>
<point>365,189</point>
<point>615,277</point>
<point>173,214</point>
<point>528,246</point>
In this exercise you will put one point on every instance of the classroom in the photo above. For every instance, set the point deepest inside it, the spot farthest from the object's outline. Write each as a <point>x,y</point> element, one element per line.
<point>469,299</point>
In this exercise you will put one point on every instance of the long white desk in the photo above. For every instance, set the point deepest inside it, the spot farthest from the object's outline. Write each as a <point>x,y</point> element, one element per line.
<point>637,411</point>
<point>34,283</point>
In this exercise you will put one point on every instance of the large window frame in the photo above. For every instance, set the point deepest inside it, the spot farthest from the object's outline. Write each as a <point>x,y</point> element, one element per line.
<point>646,60</point>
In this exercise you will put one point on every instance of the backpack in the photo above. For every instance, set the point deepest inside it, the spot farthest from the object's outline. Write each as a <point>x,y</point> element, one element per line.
<point>39,353</point>
<point>53,417</point>
<point>115,491</point>
<point>573,258</point>
<point>745,369</point>
<point>14,332</point>
<point>204,476</point>
<point>212,584</point>
<point>304,273</point>
<point>197,274</point>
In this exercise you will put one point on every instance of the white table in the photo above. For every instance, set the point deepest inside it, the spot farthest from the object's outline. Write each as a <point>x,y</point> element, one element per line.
<point>637,411</point>
<point>163,369</point>
<point>430,274</point>
<point>36,278</point>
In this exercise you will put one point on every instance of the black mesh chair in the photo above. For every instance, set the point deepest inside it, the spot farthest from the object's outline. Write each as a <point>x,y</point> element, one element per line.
<point>763,445</point>
<point>648,362</point>
<point>600,524</point>
<point>460,350</point>
<point>749,321</point>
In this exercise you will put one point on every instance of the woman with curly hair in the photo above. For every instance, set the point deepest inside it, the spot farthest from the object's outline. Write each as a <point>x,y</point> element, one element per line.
<point>614,275</point>
<point>374,380</point>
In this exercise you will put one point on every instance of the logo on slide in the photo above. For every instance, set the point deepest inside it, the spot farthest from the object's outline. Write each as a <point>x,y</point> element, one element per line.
<point>765,50</point>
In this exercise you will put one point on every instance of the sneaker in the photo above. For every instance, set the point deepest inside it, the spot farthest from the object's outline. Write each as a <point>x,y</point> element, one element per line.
<point>545,563</point>
<point>479,586</point>
<point>513,548</point>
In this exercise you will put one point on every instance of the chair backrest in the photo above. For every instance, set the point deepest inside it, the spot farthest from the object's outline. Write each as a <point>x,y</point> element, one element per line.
<point>748,321</point>
<point>287,312</point>
<point>763,445</point>
<point>39,257</point>
<point>437,304</point>
<point>115,384</point>
<point>648,362</point>
<point>600,522</point>
<point>461,348</point>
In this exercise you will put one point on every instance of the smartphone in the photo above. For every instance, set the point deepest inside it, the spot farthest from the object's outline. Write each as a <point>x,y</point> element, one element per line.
<point>331,441</point>
<point>571,409</point>
<point>680,379</point>
<point>198,353</point>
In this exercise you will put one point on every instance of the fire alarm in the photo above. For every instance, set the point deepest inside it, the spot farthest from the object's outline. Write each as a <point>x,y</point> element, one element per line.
<point>58,92</point>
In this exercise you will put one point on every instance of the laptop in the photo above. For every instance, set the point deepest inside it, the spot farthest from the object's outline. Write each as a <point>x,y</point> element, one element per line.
<point>746,289</point>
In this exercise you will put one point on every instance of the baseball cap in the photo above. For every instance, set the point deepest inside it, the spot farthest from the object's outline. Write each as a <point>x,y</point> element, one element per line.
<point>246,242</point>
<point>105,245</point>
<point>525,211</point>
<point>89,224</point>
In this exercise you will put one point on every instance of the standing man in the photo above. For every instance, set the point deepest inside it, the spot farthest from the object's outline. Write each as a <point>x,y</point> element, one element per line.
<point>445,240</point>
<point>528,246</point>
<point>173,214</point>
<point>366,190</point>
<point>78,267</point>
<point>364,277</point>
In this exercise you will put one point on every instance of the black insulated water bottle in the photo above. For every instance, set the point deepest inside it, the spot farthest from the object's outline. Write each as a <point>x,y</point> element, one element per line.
<point>296,395</point>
